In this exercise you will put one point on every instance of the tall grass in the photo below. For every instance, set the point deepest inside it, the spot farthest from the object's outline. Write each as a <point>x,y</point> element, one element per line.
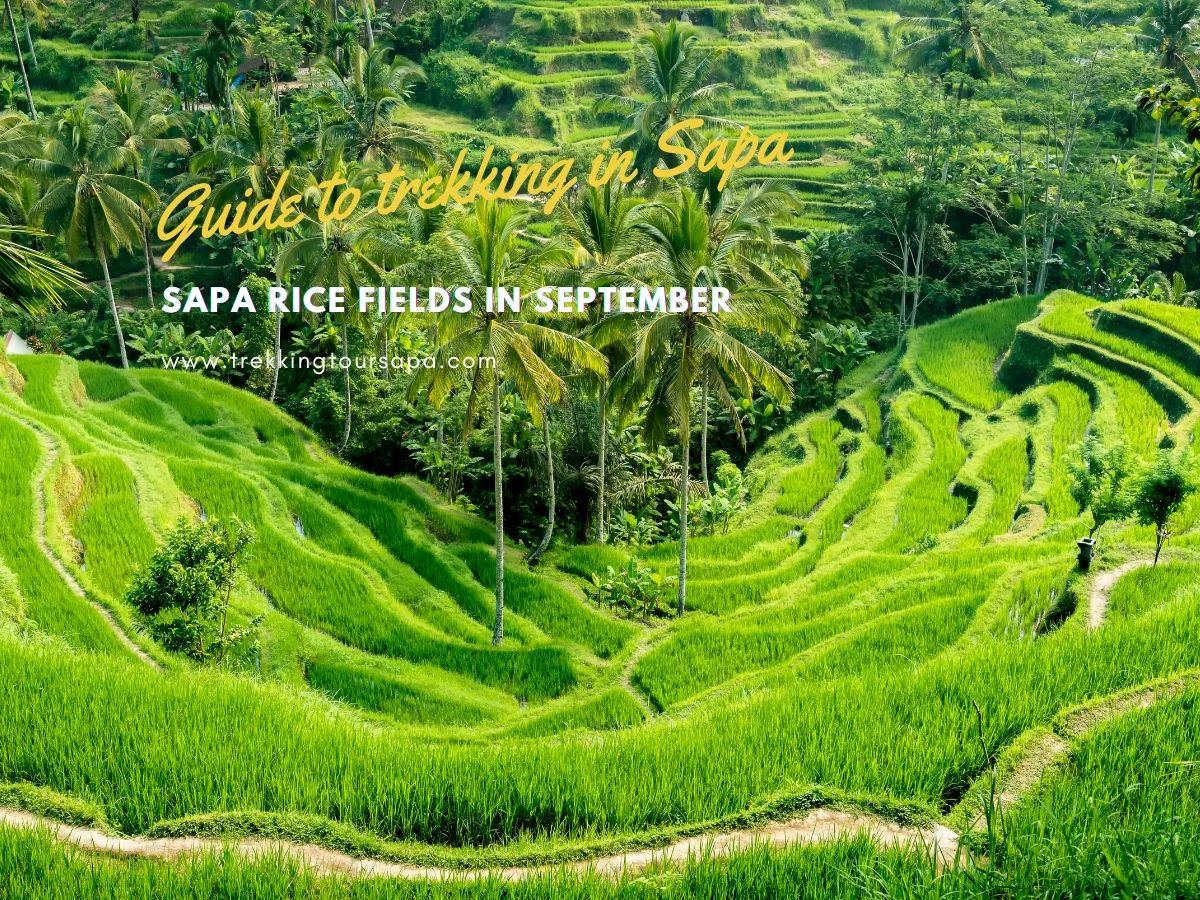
<point>112,534</point>
<point>195,742</point>
<point>928,508</point>
<point>48,600</point>
<point>1072,414</point>
<point>959,354</point>
<point>805,486</point>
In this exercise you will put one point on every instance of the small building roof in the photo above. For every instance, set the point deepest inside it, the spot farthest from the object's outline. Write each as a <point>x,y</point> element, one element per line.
<point>14,345</point>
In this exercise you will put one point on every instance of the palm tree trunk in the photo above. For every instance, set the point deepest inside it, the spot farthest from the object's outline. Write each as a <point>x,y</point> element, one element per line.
<point>685,440</point>
<point>1154,157</point>
<point>704,433</point>
<point>533,557</point>
<point>370,29</point>
<point>278,355</point>
<point>29,38</point>
<point>603,491</point>
<point>112,305</point>
<point>149,263</point>
<point>346,380</point>
<point>497,462</point>
<point>12,26</point>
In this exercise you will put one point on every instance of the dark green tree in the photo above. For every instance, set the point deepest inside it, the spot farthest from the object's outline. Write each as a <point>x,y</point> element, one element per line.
<point>1160,491</point>
<point>185,591</point>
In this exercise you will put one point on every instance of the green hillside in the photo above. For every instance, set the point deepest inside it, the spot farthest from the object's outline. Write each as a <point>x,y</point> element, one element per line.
<point>896,616</point>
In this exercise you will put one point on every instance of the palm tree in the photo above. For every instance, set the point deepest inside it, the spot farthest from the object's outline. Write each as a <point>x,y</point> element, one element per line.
<point>225,39</point>
<point>251,155</point>
<point>345,254</point>
<point>672,352</point>
<point>28,276</point>
<point>139,122</point>
<point>600,225</point>
<point>98,209</point>
<point>1170,31</point>
<point>672,69</point>
<point>956,42</point>
<point>486,251</point>
<point>365,102</point>
<point>182,76</point>
<point>12,27</point>
<point>18,142</point>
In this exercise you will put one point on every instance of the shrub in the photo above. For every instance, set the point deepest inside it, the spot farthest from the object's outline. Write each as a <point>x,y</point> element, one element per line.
<point>121,36</point>
<point>59,71</point>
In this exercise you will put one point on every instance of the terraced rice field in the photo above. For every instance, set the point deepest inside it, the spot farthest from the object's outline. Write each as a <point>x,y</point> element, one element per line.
<point>897,611</point>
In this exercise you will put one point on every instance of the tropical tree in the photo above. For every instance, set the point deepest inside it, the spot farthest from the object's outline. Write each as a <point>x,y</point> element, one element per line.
<point>487,251</point>
<point>751,219</point>
<point>956,42</point>
<point>18,142</point>
<point>601,227</point>
<point>1100,480</point>
<point>12,27</point>
<point>1171,289</point>
<point>30,279</point>
<point>364,103</point>
<point>225,39</point>
<point>346,253</point>
<point>250,155</point>
<point>98,209</point>
<point>1160,491</point>
<point>183,75</point>
<point>138,121</point>
<point>671,73</point>
<point>673,351</point>
<point>1170,30</point>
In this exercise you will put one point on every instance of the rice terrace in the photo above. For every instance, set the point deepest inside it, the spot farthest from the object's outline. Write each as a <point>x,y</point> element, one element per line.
<point>825,524</point>
<point>894,629</point>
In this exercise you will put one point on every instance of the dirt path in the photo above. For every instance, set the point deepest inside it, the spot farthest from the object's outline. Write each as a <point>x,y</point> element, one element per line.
<point>39,534</point>
<point>815,826</point>
<point>1102,586</point>
<point>1051,747</point>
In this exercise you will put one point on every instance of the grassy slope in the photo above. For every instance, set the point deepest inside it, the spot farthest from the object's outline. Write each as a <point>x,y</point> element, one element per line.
<point>888,576</point>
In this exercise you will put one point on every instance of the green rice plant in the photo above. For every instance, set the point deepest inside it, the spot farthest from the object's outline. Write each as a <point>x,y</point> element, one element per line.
<point>1037,603</point>
<point>41,382</point>
<point>1005,468</point>
<point>317,522</point>
<point>586,559</point>
<point>1144,589</point>
<point>959,354</point>
<point>608,711</point>
<point>103,383</point>
<point>1121,817</point>
<point>804,487</point>
<point>112,535</point>
<point>928,507</point>
<point>1072,413</point>
<point>1180,319</point>
<point>192,408</point>
<point>550,606</point>
<point>49,602</point>
<point>334,595</point>
<point>1066,315</point>
<point>33,866</point>
<point>1141,420</point>
<point>379,691</point>
<point>142,407</point>
<point>258,747</point>
<point>708,653</point>
<point>902,642</point>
